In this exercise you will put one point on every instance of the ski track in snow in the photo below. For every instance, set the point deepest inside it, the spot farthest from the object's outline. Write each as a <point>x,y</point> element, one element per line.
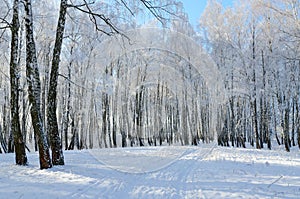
<point>206,171</point>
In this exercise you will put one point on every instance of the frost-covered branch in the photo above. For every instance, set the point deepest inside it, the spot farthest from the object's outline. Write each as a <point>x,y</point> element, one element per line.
<point>72,82</point>
<point>154,11</point>
<point>95,16</point>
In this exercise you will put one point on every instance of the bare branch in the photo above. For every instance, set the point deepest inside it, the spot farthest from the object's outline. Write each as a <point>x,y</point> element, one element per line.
<point>156,10</point>
<point>4,21</point>
<point>94,19</point>
<point>153,10</point>
<point>80,5</point>
<point>72,82</point>
<point>4,27</point>
<point>127,7</point>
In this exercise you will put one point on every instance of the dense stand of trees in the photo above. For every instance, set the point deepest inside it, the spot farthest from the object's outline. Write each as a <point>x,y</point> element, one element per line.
<point>256,45</point>
<point>39,89</point>
<point>58,93</point>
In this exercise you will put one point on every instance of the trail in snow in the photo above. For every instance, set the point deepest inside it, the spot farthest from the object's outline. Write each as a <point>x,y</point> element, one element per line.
<point>207,171</point>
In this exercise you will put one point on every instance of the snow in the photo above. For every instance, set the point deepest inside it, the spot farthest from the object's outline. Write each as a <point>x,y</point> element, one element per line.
<point>206,171</point>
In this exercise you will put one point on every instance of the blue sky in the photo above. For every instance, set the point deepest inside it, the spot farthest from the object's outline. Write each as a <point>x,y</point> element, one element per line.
<point>194,8</point>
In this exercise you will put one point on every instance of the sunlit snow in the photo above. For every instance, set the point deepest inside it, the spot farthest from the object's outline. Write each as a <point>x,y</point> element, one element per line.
<point>205,171</point>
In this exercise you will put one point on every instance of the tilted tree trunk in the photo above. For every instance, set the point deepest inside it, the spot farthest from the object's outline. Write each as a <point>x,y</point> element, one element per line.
<point>21,158</point>
<point>34,90</point>
<point>52,124</point>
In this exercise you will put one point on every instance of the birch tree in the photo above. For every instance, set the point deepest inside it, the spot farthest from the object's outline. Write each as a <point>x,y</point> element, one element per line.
<point>21,158</point>
<point>34,90</point>
<point>52,124</point>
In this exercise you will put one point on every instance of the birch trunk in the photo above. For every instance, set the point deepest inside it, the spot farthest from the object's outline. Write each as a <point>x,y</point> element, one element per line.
<point>34,90</point>
<point>52,124</point>
<point>21,158</point>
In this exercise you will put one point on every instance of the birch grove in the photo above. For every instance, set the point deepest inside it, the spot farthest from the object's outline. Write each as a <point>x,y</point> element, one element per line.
<point>70,80</point>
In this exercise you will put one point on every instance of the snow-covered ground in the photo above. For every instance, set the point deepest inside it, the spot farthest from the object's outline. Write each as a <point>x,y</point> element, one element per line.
<point>206,171</point>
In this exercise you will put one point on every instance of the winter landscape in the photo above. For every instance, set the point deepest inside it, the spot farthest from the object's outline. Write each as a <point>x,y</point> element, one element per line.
<point>150,99</point>
<point>205,171</point>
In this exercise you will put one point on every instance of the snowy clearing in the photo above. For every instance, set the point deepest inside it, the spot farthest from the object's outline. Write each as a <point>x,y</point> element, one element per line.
<point>206,171</point>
